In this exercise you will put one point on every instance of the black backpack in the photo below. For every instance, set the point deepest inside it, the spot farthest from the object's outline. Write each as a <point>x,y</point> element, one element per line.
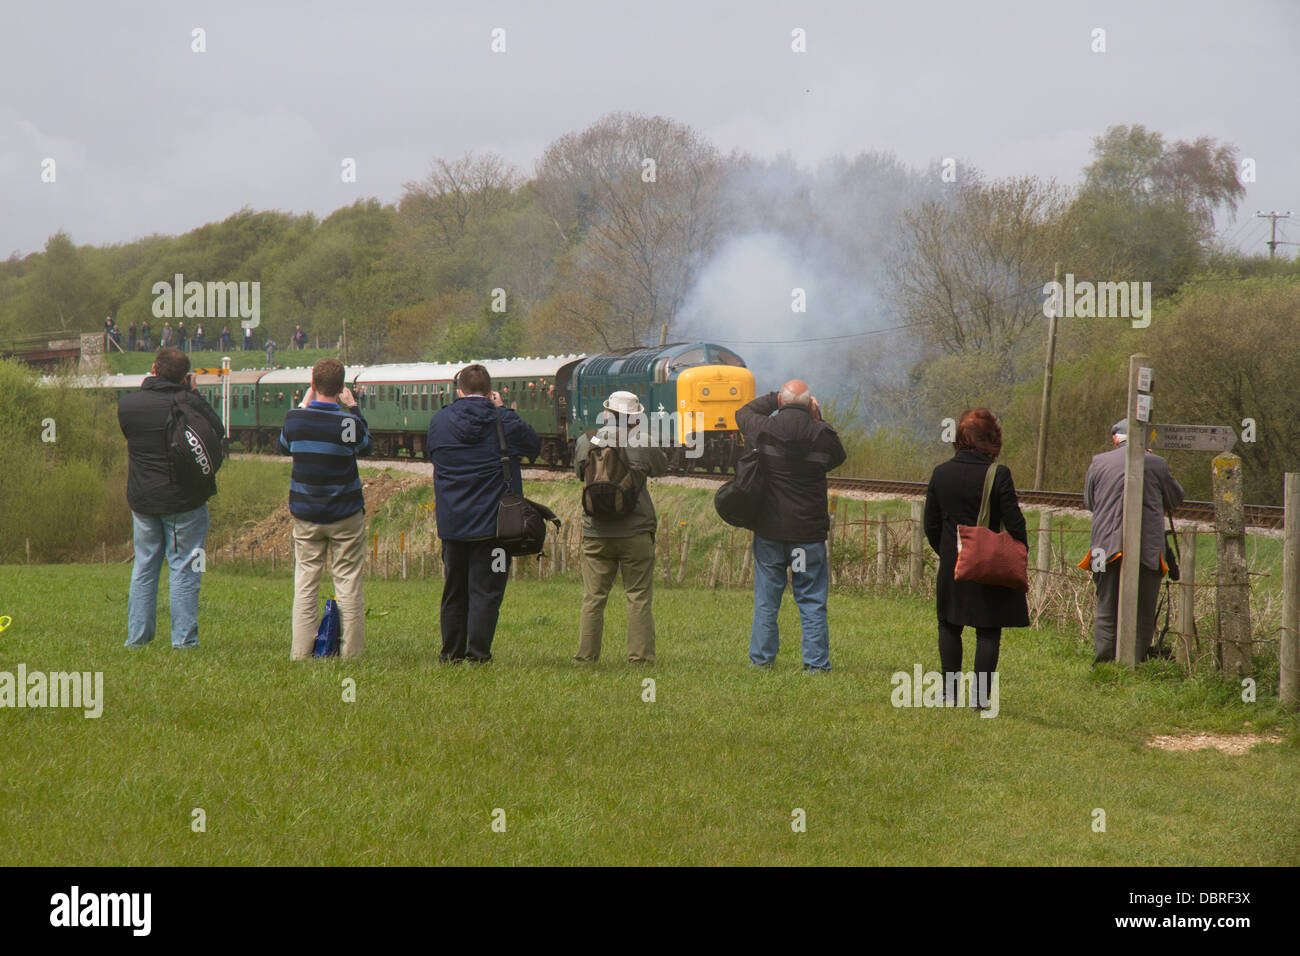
<point>610,485</point>
<point>194,447</point>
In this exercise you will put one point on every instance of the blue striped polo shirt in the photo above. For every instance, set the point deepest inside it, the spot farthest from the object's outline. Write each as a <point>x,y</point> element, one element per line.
<point>325,487</point>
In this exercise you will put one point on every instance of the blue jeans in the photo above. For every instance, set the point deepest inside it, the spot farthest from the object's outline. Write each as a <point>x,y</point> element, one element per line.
<point>810,582</point>
<point>179,536</point>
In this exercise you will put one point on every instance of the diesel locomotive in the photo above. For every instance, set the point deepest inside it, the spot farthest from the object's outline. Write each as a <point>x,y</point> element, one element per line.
<point>690,391</point>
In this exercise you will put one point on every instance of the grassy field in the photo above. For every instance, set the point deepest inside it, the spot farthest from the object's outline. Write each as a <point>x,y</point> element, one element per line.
<point>587,771</point>
<point>139,363</point>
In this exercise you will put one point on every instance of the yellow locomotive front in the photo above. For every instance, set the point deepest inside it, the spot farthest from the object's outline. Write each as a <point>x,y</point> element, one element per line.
<point>707,399</point>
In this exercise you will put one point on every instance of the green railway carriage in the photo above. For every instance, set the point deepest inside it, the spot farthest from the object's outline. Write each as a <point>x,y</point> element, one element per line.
<point>400,400</point>
<point>283,389</point>
<point>241,419</point>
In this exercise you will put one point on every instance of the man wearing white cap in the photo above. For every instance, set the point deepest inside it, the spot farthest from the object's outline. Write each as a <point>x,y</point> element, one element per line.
<point>618,527</point>
<point>1103,495</point>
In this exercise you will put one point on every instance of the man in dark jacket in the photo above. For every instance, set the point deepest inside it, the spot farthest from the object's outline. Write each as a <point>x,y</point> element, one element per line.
<point>468,485</point>
<point>798,449</point>
<point>1103,495</point>
<point>169,518</point>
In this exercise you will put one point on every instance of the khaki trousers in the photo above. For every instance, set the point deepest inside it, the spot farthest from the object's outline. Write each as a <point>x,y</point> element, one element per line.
<point>602,558</point>
<point>345,543</point>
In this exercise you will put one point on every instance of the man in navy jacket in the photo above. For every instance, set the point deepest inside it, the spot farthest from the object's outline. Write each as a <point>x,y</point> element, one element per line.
<point>468,485</point>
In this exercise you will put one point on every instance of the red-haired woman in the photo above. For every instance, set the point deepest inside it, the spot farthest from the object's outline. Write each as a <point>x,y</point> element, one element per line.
<point>953,498</point>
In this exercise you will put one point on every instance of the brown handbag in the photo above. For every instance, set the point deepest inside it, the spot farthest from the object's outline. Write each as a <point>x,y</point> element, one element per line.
<point>985,556</point>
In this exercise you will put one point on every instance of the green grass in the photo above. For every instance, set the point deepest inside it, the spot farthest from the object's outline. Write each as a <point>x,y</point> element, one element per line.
<point>586,771</point>
<point>139,363</point>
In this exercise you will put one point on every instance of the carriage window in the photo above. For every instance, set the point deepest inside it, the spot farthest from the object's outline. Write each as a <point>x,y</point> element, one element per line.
<point>424,403</point>
<point>244,400</point>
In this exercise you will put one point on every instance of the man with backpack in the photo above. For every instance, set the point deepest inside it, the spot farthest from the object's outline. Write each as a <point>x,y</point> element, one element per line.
<point>173,440</point>
<point>325,434</point>
<point>618,527</point>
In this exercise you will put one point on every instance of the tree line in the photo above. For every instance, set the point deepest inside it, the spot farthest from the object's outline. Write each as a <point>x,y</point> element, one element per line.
<point>618,232</point>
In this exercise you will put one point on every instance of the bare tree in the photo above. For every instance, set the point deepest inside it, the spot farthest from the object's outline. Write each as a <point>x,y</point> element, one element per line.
<point>972,280</point>
<point>638,198</point>
<point>458,190</point>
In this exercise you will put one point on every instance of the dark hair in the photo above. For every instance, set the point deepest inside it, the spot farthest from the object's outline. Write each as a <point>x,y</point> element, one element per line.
<point>327,376</point>
<point>172,364</point>
<point>979,431</point>
<point>474,380</point>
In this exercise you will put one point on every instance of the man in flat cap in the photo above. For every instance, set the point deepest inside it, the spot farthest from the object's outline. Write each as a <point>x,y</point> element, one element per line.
<point>1103,495</point>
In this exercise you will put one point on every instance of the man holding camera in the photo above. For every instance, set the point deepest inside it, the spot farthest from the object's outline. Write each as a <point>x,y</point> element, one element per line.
<point>168,516</point>
<point>468,485</point>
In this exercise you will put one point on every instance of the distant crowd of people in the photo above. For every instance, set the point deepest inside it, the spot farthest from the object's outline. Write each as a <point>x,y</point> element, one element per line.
<point>469,440</point>
<point>183,340</point>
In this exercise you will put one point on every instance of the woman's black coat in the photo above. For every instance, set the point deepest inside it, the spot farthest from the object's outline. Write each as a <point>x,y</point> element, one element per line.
<point>953,498</point>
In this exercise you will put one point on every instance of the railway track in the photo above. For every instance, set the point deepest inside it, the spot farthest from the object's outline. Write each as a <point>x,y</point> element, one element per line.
<point>1268,517</point>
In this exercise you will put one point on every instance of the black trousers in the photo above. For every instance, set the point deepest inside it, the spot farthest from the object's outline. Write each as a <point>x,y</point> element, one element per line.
<point>473,587</point>
<point>988,641</point>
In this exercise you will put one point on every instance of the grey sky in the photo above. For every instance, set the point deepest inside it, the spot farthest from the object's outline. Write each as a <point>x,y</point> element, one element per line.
<point>150,137</point>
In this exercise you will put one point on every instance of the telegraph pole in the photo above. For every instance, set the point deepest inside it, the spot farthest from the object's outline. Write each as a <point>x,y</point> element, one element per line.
<point>1045,413</point>
<point>1275,216</point>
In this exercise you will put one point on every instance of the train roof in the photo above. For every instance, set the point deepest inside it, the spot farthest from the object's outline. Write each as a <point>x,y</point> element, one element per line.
<point>445,372</point>
<point>632,361</point>
<point>117,381</point>
<point>241,377</point>
<point>296,376</point>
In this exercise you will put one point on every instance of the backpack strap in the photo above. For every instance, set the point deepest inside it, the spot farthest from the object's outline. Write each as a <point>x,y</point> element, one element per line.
<point>505,454</point>
<point>985,506</point>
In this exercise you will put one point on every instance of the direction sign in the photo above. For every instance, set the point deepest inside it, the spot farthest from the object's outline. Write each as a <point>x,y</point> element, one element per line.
<point>210,371</point>
<point>1192,437</point>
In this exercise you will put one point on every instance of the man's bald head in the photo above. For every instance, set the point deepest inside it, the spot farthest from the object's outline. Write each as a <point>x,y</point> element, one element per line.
<point>795,392</point>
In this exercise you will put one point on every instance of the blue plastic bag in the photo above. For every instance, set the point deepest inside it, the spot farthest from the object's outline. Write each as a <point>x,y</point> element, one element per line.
<point>327,635</point>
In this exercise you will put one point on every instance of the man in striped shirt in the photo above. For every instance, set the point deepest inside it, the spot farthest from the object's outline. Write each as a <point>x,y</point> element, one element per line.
<point>325,434</point>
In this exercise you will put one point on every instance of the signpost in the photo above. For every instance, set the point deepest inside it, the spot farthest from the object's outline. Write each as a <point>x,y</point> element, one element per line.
<point>1139,409</point>
<point>1191,437</point>
<point>225,392</point>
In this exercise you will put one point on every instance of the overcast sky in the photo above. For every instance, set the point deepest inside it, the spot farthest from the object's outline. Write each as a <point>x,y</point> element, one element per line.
<point>148,136</point>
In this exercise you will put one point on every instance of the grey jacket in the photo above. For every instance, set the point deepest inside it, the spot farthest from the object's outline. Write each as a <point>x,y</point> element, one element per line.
<point>646,461</point>
<point>1103,495</point>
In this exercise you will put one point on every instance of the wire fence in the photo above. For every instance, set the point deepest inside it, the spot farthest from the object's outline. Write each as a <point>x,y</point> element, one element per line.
<point>867,553</point>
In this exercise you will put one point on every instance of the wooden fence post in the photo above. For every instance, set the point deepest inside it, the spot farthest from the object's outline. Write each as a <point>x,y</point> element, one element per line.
<point>916,553</point>
<point>686,550</point>
<point>1232,595</point>
<point>1186,599</point>
<point>882,551</point>
<point>1288,690</point>
<point>1043,563</point>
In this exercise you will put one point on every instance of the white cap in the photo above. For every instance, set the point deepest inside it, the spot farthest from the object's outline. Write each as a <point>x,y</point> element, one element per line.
<point>624,403</point>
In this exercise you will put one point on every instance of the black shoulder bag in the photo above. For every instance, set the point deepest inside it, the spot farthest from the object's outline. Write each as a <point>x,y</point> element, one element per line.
<point>521,524</point>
